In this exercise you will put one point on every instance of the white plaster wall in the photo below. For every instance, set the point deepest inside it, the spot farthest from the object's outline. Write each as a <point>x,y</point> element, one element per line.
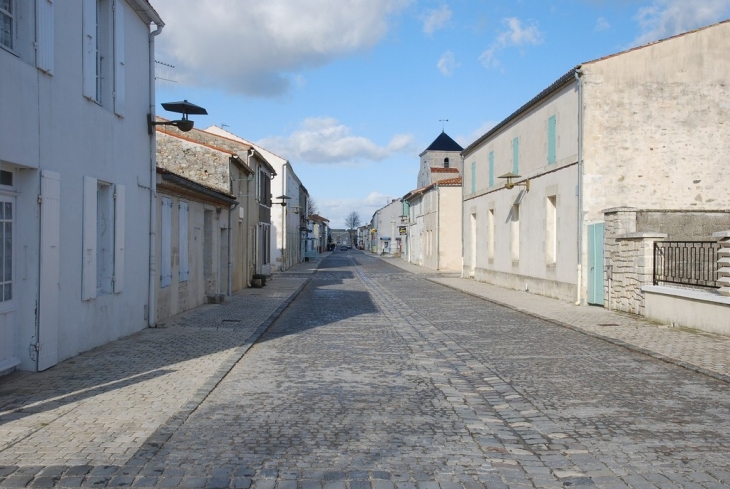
<point>46,123</point>
<point>698,309</point>
<point>449,229</point>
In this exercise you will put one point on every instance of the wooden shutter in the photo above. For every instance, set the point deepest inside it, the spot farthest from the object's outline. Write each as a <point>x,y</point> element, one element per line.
<point>88,272</point>
<point>89,49</point>
<point>166,243</point>
<point>516,156</point>
<point>473,176</point>
<point>183,241</point>
<point>44,36</point>
<point>552,139</point>
<point>119,225</point>
<point>50,274</point>
<point>491,168</point>
<point>119,92</point>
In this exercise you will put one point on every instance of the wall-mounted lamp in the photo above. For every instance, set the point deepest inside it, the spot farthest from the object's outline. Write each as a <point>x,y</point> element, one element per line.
<point>283,199</point>
<point>185,108</point>
<point>510,184</point>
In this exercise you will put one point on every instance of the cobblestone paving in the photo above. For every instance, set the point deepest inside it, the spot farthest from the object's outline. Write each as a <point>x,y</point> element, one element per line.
<point>373,378</point>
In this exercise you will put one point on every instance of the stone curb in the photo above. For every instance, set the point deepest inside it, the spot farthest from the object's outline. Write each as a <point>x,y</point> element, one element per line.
<point>628,346</point>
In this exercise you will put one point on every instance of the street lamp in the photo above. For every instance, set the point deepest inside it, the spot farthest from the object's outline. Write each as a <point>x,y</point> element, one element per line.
<point>185,108</point>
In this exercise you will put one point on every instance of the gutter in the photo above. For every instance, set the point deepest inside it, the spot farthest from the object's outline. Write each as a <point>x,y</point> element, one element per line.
<point>152,284</point>
<point>579,189</point>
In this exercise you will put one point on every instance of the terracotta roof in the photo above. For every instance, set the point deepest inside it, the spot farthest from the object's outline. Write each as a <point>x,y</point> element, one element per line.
<point>438,169</point>
<point>449,182</point>
<point>317,217</point>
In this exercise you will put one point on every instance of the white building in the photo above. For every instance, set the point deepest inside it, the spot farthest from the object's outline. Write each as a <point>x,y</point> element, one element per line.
<point>645,128</point>
<point>388,227</point>
<point>76,169</point>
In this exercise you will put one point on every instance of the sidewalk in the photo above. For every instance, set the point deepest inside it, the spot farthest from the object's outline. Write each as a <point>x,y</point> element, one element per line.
<point>696,350</point>
<point>117,404</point>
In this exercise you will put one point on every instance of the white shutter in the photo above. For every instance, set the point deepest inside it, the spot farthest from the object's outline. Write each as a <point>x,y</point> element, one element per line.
<point>166,243</point>
<point>89,47</point>
<point>44,36</point>
<point>50,275</point>
<point>119,93</point>
<point>88,265</point>
<point>183,242</point>
<point>119,221</point>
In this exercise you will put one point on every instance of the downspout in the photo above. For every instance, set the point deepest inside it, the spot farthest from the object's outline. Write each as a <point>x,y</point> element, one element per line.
<point>463,205</point>
<point>438,227</point>
<point>151,318</point>
<point>579,190</point>
<point>230,255</point>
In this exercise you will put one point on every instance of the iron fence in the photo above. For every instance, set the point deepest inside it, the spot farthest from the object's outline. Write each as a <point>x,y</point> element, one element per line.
<point>692,263</point>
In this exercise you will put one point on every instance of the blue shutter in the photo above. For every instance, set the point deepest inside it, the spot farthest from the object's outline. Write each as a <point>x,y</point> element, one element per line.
<point>491,168</point>
<point>473,177</point>
<point>516,156</point>
<point>551,140</point>
<point>44,36</point>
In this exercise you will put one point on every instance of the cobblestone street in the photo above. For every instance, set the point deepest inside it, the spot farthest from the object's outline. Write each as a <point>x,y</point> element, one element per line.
<point>354,374</point>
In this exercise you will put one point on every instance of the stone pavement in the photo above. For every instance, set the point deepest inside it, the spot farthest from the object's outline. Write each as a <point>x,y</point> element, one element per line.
<point>350,373</point>
<point>696,350</point>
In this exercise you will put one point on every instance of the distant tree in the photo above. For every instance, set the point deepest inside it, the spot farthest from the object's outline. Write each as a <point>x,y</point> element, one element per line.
<point>352,222</point>
<point>312,207</point>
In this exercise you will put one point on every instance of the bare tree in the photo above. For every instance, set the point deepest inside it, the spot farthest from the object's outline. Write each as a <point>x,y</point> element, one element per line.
<point>312,207</point>
<point>352,222</point>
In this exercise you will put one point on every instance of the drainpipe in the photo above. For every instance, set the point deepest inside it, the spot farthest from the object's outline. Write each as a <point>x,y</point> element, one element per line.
<point>463,205</point>
<point>151,318</point>
<point>438,227</point>
<point>579,191</point>
<point>230,255</point>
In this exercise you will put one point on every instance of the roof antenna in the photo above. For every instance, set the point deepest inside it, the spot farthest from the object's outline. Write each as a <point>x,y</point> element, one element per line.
<point>443,121</point>
<point>224,125</point>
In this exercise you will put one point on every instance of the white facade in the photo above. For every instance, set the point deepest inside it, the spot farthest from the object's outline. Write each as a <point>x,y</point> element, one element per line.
<point>385,229</point>
<point>77,168</point>
<point>631,129</point>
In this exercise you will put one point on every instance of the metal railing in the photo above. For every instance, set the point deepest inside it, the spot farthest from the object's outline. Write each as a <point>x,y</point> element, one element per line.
<point>692,263</point>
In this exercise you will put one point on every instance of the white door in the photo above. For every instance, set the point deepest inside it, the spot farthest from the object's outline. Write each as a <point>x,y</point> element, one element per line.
<point>9,347</point>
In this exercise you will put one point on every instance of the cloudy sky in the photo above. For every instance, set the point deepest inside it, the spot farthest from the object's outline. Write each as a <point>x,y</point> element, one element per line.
<point>352,91</point>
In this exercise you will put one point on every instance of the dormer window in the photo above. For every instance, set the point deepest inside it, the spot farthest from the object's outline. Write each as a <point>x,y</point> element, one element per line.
<point>446,162</point>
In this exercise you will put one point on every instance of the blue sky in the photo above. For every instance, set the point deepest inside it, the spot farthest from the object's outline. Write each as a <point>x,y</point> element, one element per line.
<point>352,91</point>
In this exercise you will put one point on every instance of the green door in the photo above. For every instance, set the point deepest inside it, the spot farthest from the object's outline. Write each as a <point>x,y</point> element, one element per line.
<point>595,263</point>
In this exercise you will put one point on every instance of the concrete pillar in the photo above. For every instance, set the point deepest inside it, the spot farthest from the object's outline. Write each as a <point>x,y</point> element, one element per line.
<point>723,262</point>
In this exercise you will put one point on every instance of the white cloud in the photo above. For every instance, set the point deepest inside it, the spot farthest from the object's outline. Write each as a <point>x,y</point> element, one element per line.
<point>601,25</point>
<point>665,18</point>
<point>436,19</point>
<point>447,63</point>
<point>258,47</point>
<point>336,210</point>
<point>325,140</point>
<point>516,34</point>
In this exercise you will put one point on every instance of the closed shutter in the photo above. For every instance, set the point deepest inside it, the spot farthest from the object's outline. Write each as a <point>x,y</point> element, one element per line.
<point>166,244</point>
<point>89,49</point>
<point>119,93</point>
<point>473,176</point>
<point>50,275</point>
<point>516,156</point>
<point>491,168</point>
<point>88,278</point>
<point>552,139</point>
<point>44,36</point>
<point>119,223</point>
<point>183,242</point>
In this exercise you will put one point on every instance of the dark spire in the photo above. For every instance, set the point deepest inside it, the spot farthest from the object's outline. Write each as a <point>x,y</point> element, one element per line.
<point>444,143</point>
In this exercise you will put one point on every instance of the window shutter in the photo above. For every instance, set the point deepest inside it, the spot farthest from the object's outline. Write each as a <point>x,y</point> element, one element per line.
<point>552,138</point>
<point>89,47</point>
<point>516,156</point>
<point>50,275</point>
<point>88,271</point>
<point>183,242</point>
<point>166,244</point>
<point>473,176</point>
<point>44,36</point>
<point>491,168</point>
<point>119,93</point>
<point>119,221</point>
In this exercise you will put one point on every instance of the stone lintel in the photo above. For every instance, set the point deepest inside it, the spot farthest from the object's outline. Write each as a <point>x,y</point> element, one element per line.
<point>721,235</point>
<point>614,210</point>
<point>641,236</point>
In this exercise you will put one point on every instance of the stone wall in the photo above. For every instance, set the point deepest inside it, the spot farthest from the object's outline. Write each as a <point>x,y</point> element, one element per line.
<point>199,163</point>
<point>681,225</point>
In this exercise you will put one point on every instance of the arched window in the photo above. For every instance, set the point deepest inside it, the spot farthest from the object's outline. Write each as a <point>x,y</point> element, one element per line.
<point>446,162</point>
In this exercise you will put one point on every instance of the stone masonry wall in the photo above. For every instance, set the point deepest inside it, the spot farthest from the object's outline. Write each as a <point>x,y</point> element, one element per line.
<point>196,162</point>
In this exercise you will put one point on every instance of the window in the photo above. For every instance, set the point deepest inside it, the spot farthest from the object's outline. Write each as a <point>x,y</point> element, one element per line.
<point>446,162</point>
<point>6,248</point>
<point>552,140</point>
<point>516,156</point>
<point>166,243</point>
<point>103,239</point>
<point>515,232</point>
<point>183,241</point>
<point>7,23</point>
<point>551,228</point>
<point>473,177</point>
<point>103,53</point>
<point>491,168</point>
<point>264,189</point>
